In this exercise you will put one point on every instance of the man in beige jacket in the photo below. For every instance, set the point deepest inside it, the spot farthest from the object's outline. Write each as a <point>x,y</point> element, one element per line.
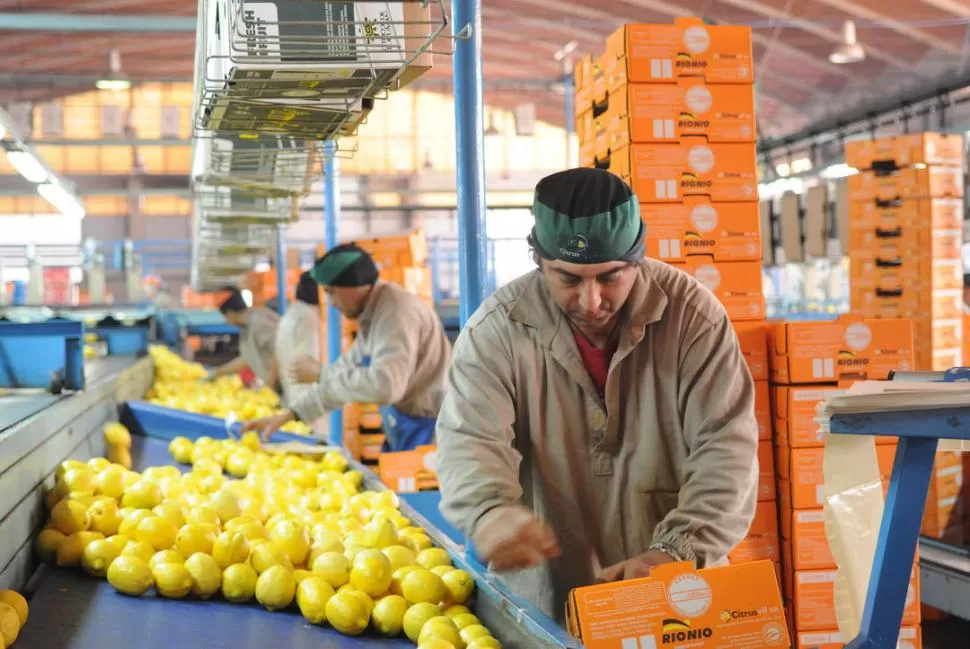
<point>398,360</point>
<point>599,416</point>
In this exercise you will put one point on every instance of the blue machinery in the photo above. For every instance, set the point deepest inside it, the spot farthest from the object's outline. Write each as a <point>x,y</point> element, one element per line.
<point>47,355</point>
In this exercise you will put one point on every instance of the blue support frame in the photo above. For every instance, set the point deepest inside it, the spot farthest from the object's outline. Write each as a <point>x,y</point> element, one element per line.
<point>919,432</point>
<point>280,269</point>
<point>331,214</point>
<point>469,139</point>
<point>31,353</point>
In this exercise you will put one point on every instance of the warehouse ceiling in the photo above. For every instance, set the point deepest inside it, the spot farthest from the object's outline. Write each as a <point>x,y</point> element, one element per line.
<point>907,42</point>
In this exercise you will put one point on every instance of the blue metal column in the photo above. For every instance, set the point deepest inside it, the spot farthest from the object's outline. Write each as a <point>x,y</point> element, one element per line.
<point>331,214</point>
<point>280,269</point>
<point>569,104</point>
<point>469,132</point>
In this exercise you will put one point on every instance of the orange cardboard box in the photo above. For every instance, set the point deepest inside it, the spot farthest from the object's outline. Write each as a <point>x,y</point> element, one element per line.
<point>586,72</point>
<point>813,603</point>
<point>914,182</point>
<point>753,337</point>
<point>738,285</point>
<point>409,471</point>
<point>910,637</point>
<point>407,249</point>
<point>801,477</point>
<point>756,548</point>
<point>941,334</point>
<point>817,352</point>
<point>804,544</point>
<point>906,150</point>
<point>762,410</point>
<point>907,302</point>
<point>795,407</point>
<point>766,471</point>
<point>687,48</point>
<point>906,271</point>
<point>724,231</point>
<point>932,213</point>
<point>943,517</point>
<point>880,243</point>
<point>653,112</point>
<point>765,522</point>
<point>668,173</point>
<point>678,606</point>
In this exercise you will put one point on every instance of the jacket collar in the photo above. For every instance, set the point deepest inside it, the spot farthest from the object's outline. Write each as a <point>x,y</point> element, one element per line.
<point>370,306</point>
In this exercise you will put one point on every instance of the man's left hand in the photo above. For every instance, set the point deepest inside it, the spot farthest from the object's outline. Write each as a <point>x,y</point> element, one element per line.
<point>638,566</point>
<point>307,370</point>
<point>268,425</point>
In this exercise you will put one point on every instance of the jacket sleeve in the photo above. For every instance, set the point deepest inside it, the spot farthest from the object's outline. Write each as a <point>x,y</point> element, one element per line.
<point>394,339</point>
<point>716,399</point>
<point>477,464</point>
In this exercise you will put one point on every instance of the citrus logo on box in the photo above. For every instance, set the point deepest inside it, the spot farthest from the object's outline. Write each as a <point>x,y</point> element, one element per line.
<point>704,218</point>
<point>727,616</point>
<point>700,158</point>
<point>690,595</point>
<point>699,99</point>
<point>681,631</point>
<point>858,336</point>
<point>709,276</point>
<point>696,39</point>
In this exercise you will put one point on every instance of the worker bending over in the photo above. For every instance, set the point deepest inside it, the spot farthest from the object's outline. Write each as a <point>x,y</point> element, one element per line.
<point>398,360</point>
<point>257,339</point>
<point>298,337</point>
<point>598,418</point>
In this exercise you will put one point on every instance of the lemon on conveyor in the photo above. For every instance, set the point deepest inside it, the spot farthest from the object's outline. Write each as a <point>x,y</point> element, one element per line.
<point>139,550</point>
<point>9,624</point>
<point>441,628</point>
<point>172,510</point>
<point>312,595</point>
<point>97,556</point>
<point>69,517</point>
<point>334,567</point>
<point>416,617</point>
<point>399,556</point>
<point>239,583</point>
<point>398,576</point>
<point>484,642</point>
<point>388,615</point>
<point>16,601</point>
<point>81,480</point>
<point>459,586</point>
<point>71,549</point>
<point>120,541</point>
<point>432,557</point>
<point>276,588</point>
<point>293,539</point>
<point>422,586</point>
<point>172,580</point>
<point>265,555</point>
<point>144,494</point>
<point>442,570</point>
<point>229,548</point>
<point>130,575</point>
<point>115,434</point>
<point>131,520</point>
<point>157,531</point>
<point>120,456</point>
<point>347,613</point>
<point>473,631</point>
<point>165,556</point>
<point>181,450</point>
<point>196,537</point>
<point>46,544</point>
<point>301,573</point>
<point>462,620</point>
<point>371,573</point>
<point>206,575</point>
<point>105,516</point>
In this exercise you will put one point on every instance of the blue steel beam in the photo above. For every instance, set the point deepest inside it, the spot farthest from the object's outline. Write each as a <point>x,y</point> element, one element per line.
<point>58,22</point>
<point>331,206</point>
<point>469,136</point>
<point>281,269</point>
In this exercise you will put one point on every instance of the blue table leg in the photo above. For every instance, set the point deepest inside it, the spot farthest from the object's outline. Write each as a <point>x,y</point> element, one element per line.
<point>896,548</point>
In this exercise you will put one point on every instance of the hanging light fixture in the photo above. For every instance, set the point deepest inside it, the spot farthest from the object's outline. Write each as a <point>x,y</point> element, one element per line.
<point>849,50</point>
<point>115,80</point>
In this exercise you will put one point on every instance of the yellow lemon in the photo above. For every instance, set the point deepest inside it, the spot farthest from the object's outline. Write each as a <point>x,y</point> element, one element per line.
<point>293,539</point>
<point>144,494</point>
<point>455,610</point>
<point>347,613</point>
<point>130,575</point>
<point>371,573</point>
<point>181,450</point>
<point>82,497</point>
<point>120,456</point>
<point>139,550</point>
<point>17,602</point>
<point>202,514</point>
<point>130,521</point>
<point>165,556</point>
<point>239,583</point>
<point>416,617</point>
<point>206,575</point>
<point>484,642</point>
<point>276,588</point>
<point>441,570</point>
<point>70,517</point>
<point>111,482</point>
<point>265,555</point>
<point>398,575</point>
<point>158,532</point>
<point>119,541</point>
<point>431,557</point>
<point>47,542</point>
<point>172,580</point>
<point>238,463</point>
<point>196,537</point>
<point>334,461</point>
<point>462,620</point>
<point>230,548</point>
<point>459,586</point>
<point>116,434</point>
<point>399,556</point>
<point>225,504</point>
<point>97,556</point>
<point>388,615</point>
<point>105,517</point>
<point>334,567</point>
<point>415,542</point>
<point>441,628</point>
<point>473,631</point>
<point>66,466</point>
<point>301,574</point>
<point>99,464</point>
<point>71,549</point>
<point>9,624</point>
<point>172,511</point>
<point>81,480</point>
<point>253,531</point>
<point>422,585</point>
<point>250,440</point>
<point>312,595</point>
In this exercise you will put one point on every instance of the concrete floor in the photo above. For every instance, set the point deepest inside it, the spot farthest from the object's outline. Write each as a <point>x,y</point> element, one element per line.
<point>952,633</point>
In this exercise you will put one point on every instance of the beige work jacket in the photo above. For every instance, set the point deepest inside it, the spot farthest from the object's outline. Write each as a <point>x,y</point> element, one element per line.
<point>257,340</point>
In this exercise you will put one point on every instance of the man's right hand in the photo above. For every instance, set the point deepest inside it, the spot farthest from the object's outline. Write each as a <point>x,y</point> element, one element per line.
<point>513,538</point>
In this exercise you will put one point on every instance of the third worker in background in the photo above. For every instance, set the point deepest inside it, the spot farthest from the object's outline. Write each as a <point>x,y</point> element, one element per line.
<point>398,360</point>
<point>599,415</point>
<point>257,339</point>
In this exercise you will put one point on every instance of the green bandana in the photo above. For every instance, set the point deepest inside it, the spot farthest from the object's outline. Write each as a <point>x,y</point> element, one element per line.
<point>345,265</point>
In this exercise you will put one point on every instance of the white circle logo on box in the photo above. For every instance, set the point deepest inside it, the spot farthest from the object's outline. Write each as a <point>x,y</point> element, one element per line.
<point>699,99</point>
<point>429,460</point>
<point>700,158</point>
<point>696,39</point>
<point>858,337</point>
<point>704,218</point>
<point>709,276</point>
<point>689,595</point>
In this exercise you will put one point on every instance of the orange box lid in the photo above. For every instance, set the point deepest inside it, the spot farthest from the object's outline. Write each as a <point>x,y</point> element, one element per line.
<point>696,226</point>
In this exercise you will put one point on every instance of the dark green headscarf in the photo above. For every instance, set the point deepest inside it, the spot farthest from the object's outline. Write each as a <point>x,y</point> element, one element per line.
<point>587,216</point>
<point>345,265</point>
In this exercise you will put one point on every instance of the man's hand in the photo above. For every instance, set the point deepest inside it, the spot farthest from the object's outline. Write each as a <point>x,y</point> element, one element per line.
<point>638,566</point>
<point>268,425</point>
<point>513,538</point>
<point>307,370</point>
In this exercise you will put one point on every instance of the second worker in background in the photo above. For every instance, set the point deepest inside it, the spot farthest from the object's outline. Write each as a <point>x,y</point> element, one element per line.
<point>398,360</point>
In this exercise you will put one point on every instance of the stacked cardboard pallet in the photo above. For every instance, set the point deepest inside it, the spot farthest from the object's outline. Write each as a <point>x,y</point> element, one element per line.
<point>810,361</point>
<point>905,247</point>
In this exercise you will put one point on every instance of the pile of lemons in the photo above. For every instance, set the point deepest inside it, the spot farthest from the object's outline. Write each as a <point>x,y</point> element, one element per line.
<point>117,440</point>
<point>181,385</point>
<point>290,531</point>
<point>13,616</point>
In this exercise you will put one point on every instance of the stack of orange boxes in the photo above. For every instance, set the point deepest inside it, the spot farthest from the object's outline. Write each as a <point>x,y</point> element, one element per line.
<point>401,259</point>
<point>905,247</point>
<point>671,109</point>
<point>810,361</point>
